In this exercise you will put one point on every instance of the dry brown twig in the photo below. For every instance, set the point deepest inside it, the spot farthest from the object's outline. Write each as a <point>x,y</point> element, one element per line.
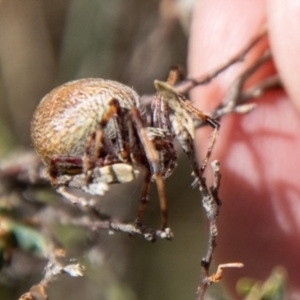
<point>211,204</point>
<point>233,103</point>
<point>189,84</point>
<point>218,275</point>
<point>53,269</point>
<point>113,226</point>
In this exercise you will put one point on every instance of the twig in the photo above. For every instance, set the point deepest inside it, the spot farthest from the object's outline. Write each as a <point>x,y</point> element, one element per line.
<point>52,270</point>
<point>113,226</point>
<point>235,101</point>
<point>218,275</point>
<point>23,168</point>
<point>235,95</point>
<point>257,91</point>
<point>190,83</point>
<point>211,204</point>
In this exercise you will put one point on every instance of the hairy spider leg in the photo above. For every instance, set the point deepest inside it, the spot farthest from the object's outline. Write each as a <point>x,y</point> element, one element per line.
<point>96,139</point>
<point>175,74</point>
<point>182,135</point>
<point>144,198</point>
<point>149,149</point>
<point>181,131</point>
<point>187,144</point>
<point>207,119</point>
<point>152,157</point>
<point>64,164</point>
<point>86,158</point>
<point>135,157</point>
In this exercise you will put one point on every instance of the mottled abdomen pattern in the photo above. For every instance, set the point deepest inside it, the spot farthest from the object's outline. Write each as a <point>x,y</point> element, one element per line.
<point>69,114</point>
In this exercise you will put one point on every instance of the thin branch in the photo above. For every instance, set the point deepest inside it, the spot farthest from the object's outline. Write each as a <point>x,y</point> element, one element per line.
<point>258,90</point>
<point>211,204</point>
<point>52,270</point>
<point>113,226</point>
<point>188,84</point>
<point>235,101</point>
<point>233,98</point>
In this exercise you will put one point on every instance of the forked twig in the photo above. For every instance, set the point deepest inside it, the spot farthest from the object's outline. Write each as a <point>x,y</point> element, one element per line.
<point>258,90</point>
<point>189,84</point>
<point>52,270</point>
<point>234,103</point>
<point>235,98</point>
<point>211,204</point>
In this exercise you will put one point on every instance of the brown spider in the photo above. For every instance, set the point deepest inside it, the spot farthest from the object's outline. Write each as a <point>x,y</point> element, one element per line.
<point>91,123</point>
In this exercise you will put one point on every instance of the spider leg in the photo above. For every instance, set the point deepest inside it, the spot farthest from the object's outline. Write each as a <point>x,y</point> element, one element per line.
<point>144,199</point>
<point>136,157</point>
<point>187,144</point>
<point>64,164</point>
<point>135,128</point>
<point>207,119</point>
<point>182,109</point>
<point>121,150</point>
<point>87,154</point>
<point>153,160</point>
<point>188,84</point>
<point>96,139</point>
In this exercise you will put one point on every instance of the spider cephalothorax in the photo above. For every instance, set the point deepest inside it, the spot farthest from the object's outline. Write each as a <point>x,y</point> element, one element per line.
<point>91,123</point>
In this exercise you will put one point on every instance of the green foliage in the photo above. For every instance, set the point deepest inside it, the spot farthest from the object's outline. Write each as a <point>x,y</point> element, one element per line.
<point>24,237</point>
<point>272,289</point>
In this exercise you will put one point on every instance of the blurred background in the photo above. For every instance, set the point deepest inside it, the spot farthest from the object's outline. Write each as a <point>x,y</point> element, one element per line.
<point>44,43</point>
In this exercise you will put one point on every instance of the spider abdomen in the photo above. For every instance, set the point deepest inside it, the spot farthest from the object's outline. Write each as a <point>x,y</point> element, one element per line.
<point>69,114</point>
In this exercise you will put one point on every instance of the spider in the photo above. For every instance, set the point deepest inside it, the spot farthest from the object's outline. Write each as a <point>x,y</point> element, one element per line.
<point>91,123</point>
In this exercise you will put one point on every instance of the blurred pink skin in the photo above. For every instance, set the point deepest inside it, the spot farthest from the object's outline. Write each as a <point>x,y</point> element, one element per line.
<point>259,222</point>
